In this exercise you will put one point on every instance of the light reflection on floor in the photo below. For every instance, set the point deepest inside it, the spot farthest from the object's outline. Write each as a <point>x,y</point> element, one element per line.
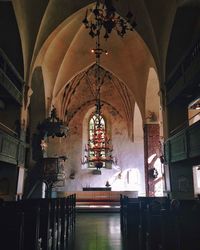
<point>97,231</point>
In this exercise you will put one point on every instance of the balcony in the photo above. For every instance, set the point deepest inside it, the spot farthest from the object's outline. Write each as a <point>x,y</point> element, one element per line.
<point>185,145</point>
<point>12,149</point>
<point>186,75</point>
<point>10,79</point>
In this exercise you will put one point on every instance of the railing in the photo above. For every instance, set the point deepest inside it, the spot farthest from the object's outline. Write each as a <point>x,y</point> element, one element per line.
<point>179,128</point>
<point>185,124</point>
<point>191,54</point>
<point>10,71</point>
<point>186,75</point>
<point>10,78</point>
<point>12,149</point>
<point>8,130</point>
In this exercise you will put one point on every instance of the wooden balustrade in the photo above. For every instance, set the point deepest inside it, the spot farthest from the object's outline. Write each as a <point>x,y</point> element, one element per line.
<point>10,78</point>
<point>12,149</point>
<point>183,145</point>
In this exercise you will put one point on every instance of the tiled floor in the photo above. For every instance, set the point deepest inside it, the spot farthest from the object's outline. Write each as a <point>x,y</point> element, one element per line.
<point>97,231</point>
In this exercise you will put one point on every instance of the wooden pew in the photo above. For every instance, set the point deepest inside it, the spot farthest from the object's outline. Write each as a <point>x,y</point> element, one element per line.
<point>37,224</point>
<point>170,239</point>
<point>53,223</point>
<point>11,229</point>
<point>189,219</point>
<point>129,214</point>
<point>180,226</point>
<point>44,208</point>
<point>141,221</point>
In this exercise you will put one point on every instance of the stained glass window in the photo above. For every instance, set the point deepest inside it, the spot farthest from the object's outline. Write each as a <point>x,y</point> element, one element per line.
<point>97,140</point>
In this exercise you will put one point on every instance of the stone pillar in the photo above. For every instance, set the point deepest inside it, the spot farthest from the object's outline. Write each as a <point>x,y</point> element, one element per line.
<point>151,147</point>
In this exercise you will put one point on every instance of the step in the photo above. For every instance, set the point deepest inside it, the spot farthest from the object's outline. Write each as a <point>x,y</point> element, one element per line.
<point>97,208</point>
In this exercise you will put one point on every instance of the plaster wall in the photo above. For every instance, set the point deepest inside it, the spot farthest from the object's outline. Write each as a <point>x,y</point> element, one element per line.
<point>196,180</point>
<point>127,174</point>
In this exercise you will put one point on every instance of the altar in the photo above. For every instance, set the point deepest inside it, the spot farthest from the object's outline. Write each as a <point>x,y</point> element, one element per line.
<point>96,188</point>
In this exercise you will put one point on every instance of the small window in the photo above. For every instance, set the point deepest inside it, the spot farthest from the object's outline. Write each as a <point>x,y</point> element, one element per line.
<point>194,111</point>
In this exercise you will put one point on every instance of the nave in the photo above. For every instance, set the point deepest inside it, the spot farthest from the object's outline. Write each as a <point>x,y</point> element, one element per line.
<point>142,223</point>
<point>97,231</point>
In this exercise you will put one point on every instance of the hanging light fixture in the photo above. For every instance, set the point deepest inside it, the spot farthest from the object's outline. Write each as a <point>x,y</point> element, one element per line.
<point>104,16</point>
<point>99,147</point>
<point>52,126</point>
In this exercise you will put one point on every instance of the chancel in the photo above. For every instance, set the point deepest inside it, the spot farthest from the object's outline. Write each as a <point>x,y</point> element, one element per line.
<point>99,124</point>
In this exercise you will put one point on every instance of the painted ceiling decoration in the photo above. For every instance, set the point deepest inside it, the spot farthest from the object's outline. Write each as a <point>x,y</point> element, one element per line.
<point>114,93</point>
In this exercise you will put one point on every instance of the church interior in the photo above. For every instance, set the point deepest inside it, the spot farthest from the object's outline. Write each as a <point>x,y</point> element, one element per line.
<point>100,110</point>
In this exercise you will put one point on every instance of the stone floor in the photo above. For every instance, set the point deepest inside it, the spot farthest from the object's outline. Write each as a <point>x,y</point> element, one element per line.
<point>97,231</point>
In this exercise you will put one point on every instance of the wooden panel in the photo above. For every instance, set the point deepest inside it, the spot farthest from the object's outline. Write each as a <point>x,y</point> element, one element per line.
<point>178,147</point>
<point>8,149</point>
<point>167,153</point>
<point>10,87</point>
<point>194,140</point>
<point>184,145</point>
<point>50,166</point>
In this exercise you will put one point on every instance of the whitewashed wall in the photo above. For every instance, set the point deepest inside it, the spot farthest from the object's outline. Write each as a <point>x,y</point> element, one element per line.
<point>130,155</point>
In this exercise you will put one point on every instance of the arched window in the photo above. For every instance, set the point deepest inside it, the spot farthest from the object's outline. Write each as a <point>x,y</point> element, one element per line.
<point>97,140</point>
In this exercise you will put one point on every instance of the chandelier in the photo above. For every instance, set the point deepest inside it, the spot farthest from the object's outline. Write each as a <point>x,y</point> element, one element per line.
<point>104,16</point>
<point>99,147</point>
<point>52,126</point>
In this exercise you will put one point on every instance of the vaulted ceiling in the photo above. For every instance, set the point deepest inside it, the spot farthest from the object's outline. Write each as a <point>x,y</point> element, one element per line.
<point>54,38</point>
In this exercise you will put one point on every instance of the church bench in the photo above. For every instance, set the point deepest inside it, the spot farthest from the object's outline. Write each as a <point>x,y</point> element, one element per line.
<point>43,224</point>
<point>11,229</point>
<point>67,218</point>
<point>162,226</point>
<point>46,222</point>
<point>137,221</point>
<point>130,219</point>
<point>30,224</point>
<point>189,233</point>
<point>170,230</point>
